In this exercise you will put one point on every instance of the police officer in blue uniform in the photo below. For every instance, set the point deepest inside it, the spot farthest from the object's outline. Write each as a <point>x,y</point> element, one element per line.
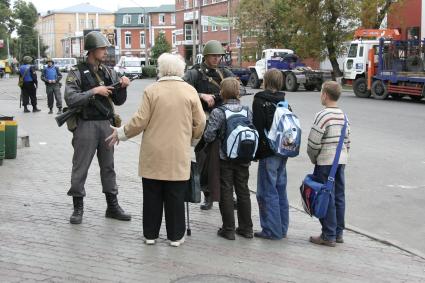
<point>51,76</point>
<point>30,84</point>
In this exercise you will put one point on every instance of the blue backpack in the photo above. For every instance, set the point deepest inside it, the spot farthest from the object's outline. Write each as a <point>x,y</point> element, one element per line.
<point>241,138</point>
<point>285,132</point>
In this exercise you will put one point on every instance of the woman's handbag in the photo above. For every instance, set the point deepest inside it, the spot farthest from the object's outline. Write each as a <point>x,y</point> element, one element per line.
<point>193,193</point>
<point>315,195</point>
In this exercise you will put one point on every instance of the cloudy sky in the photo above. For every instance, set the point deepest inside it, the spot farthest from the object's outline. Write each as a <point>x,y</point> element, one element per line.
<point>111,5</point>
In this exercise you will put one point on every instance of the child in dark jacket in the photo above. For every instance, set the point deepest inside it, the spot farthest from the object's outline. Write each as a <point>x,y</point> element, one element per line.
<point>271,180</point>
<point>232,174</point>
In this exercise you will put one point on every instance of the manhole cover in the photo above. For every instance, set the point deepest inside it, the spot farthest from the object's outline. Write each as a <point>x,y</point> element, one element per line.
<point>211,278</point>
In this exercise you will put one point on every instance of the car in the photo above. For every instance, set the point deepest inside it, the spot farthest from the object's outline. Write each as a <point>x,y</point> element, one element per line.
<point>130,66</point>
<point>64,64</point>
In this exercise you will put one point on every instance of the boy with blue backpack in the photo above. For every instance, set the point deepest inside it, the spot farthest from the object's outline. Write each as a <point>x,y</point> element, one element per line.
<point>280,138</point>
<point>231,123</point>
<point>323,140</point>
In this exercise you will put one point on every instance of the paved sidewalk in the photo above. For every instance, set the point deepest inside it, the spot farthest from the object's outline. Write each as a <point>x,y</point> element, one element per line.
<point>37,243</point>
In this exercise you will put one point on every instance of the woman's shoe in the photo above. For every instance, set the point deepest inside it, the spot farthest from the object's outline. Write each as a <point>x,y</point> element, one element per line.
<point>177,243</point>
<point>150,241</point>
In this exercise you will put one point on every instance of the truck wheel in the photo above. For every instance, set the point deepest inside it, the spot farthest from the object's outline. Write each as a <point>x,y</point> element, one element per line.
<point>360,88</point>
<point>283,82</point>
<point>415,97</point>
<point>244,83</point>
<point>309,87</point>
<point>291,82</point>
<point>397,96</point>
<point>254,81</point>
<point>379,90</point>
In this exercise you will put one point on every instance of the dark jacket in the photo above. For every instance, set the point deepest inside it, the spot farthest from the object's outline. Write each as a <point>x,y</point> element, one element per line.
<point>263,108</point>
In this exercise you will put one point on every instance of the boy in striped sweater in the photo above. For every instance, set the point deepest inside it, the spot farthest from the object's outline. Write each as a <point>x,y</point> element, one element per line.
<point>322,143</point>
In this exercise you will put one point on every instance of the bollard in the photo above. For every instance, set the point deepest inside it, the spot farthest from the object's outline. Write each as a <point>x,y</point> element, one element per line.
<point>11,139</point>
<point>2,141</point>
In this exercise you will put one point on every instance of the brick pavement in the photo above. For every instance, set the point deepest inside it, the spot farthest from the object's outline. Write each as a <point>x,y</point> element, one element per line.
<point>39,244</point>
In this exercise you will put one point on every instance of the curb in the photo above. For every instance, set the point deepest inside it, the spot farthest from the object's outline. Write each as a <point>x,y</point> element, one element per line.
<point>376,237</point>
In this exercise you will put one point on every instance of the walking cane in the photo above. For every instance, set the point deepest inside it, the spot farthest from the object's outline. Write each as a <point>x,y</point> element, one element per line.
<point>188,231</point>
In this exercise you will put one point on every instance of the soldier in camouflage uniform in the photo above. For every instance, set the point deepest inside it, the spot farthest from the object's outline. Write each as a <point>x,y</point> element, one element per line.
<point>206,78</point>
<point>88,87</point>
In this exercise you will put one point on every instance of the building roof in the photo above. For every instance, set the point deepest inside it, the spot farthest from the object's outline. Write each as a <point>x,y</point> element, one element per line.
<point>81,8</point>
<point>140,10</point>
<point>135,12</point>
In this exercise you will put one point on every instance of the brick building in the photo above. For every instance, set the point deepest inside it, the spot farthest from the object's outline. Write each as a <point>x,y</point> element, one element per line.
<point>62,30</point>
<point>209,19</point>
<point>137,28</point>
<point>408,17</point>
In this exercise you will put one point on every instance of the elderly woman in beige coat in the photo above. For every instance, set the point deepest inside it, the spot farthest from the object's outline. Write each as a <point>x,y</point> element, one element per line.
<point>170,116</point>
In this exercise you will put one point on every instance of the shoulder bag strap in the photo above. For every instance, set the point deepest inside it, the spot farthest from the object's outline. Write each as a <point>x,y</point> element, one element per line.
<point>331,177</point>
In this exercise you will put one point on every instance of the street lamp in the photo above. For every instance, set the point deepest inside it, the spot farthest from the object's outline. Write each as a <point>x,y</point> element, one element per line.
<point>146,36</point>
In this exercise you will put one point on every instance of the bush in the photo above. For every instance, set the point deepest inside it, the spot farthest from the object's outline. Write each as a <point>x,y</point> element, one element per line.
<point>149,71</point>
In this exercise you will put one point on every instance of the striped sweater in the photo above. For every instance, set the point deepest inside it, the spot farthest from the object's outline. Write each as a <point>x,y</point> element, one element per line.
<point>324,136</point>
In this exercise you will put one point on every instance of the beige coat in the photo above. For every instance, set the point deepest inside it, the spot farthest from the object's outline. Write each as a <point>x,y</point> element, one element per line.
<point>170,116</point>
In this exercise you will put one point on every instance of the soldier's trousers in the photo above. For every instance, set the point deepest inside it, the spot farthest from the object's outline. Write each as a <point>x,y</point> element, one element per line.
<point>29,92</point>
<point>54,93</point>
<point>89,138</point>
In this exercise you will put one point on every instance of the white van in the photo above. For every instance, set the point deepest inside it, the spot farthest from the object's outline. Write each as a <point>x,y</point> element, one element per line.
<point>130,66</point>
<point>64,64</point>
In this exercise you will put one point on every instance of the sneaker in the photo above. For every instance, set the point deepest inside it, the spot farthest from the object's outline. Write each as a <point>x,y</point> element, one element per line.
<point>339,239</point>
<point>229,235</point>
<point>319,241</point>
<point>262,235</point>
<point>150,241</point>
<point>177,243</point>
<point>244,234</point>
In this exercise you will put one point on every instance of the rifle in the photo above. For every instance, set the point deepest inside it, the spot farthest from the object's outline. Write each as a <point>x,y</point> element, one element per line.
<point>20,99</point>
<point>69,112</point>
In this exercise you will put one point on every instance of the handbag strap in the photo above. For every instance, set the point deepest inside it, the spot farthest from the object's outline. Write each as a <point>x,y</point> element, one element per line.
<point>331,177</point>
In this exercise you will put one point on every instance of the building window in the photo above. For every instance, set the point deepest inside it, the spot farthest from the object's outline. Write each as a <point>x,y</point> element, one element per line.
<point>82,24</point>
<point>141,19</point>
<point>126,20</point>
<point>173,19</point>
<point>186,4</point>
<point>127,39</point>
<point>195,3</point>
<point>161,19</point>
<point>213,1</point>
<point>214,28</point>
<point>204,28</point>
<point>188,32</point>
<point>91,24</point>
<point>204,2</point>
<point>142,39</point>
<point>224,27</point>
<point>174,39</point>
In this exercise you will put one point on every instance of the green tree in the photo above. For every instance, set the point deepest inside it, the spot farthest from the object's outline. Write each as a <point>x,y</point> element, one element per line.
<point>26,17</point>
<point>6,25</point>
<point>373,12</point>
<point>161,46</point>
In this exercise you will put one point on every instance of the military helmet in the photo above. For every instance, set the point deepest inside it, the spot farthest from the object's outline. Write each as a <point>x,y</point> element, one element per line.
<point>213,47</point>
<point>95,39</point>
<point>27,59</point>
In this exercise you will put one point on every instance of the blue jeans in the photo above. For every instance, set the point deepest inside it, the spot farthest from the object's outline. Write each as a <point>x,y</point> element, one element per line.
<point>271,196</point>
<point>333,223</point>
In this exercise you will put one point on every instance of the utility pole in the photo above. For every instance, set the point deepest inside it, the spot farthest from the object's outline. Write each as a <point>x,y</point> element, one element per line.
<point>146,37</point>
<point>193,34</point>
<point>38,45</point>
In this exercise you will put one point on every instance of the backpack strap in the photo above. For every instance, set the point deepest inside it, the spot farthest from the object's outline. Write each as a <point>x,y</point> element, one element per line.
<point>331,177</point>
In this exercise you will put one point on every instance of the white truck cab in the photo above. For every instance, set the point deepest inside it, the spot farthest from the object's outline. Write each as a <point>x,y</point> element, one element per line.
<point>267,54</point>
<point>356,64</point>
<point>130,66</point>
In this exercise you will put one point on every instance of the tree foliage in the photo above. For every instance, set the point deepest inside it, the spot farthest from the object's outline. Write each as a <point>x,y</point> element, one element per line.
<point>161,46</point>
<point>313,28</point>
<point>26,17</point>
<point>6,24</point>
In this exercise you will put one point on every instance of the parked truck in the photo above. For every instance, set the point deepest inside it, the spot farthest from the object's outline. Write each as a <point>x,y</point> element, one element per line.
<point>394,68</point>
<point>294,71</point>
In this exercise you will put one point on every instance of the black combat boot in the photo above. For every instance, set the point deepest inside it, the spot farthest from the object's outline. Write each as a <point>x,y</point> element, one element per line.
<point>59,110</point>
<point>26,110</point>
<point>50,111</point>
<point>207,205</point>
<point>35,109</point>
<point>77,215</point>
<point>114,210</point>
